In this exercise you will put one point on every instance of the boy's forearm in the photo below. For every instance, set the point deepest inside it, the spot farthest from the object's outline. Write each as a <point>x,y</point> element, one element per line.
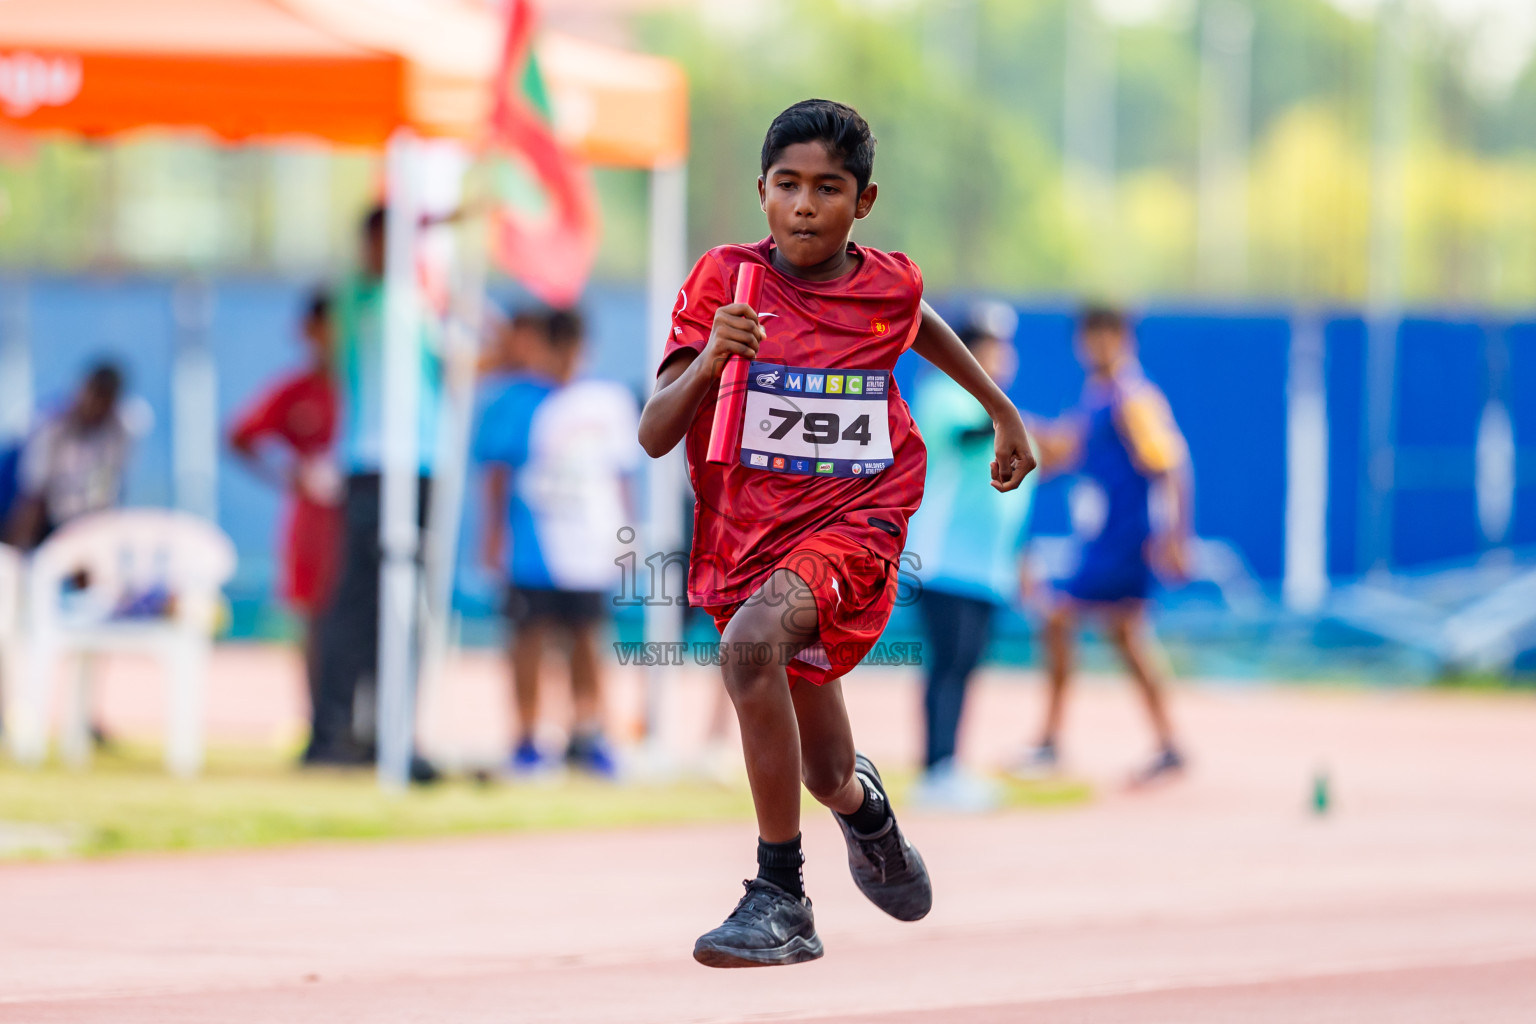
<point>1178,494</point>
<point>670,410</point>
<point>941,346</point>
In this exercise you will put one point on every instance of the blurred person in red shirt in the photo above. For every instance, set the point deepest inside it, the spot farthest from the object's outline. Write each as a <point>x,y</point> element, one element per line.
<point>285,437</point>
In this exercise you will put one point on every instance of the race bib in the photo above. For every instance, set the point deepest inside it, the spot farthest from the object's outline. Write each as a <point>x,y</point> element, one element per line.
<point>816,422</point>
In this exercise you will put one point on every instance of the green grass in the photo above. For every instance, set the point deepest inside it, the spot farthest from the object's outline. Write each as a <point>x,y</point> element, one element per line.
<point>125,803</point>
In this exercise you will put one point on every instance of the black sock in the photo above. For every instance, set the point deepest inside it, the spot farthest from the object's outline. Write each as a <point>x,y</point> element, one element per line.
<point>779,863</point>
<point>871,815</point>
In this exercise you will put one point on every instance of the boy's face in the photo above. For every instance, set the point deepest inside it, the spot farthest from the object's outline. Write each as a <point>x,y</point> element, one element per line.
<point>1101,349</point>
<point>812,201</point>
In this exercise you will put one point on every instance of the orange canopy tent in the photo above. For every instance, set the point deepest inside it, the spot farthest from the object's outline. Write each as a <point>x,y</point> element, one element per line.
<point>345,71</point>
<point>370,73</point>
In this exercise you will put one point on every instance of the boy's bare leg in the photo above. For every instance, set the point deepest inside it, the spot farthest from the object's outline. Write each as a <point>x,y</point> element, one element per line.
<point>776,616</point>
<point>1128,630</point>
<point>586,678</point>
<point>527,651</point>
<point>1060,640</point>
<point>826,746</point>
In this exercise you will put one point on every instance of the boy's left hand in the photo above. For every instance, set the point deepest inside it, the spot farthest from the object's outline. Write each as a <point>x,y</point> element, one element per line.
<point>1013,460</point>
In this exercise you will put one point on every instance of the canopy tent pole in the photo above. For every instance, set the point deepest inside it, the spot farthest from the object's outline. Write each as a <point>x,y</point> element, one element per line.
<point>461,344</point>
<point>664,498</point>
<point>399,537</point>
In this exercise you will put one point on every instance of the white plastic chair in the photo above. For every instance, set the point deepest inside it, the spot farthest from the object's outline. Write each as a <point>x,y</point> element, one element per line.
<point>12,572</point>
<point>124,553</point>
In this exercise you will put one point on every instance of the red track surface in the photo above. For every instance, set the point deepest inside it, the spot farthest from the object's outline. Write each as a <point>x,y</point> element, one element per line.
<point>1217,899</point>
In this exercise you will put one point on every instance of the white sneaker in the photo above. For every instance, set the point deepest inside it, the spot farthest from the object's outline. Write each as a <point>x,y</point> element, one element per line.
<point>948,787</point>
<point>1038,763</point>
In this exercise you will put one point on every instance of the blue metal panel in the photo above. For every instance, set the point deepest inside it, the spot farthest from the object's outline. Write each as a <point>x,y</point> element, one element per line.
<point>1225,380</point>
<point>1344,378</point>
<point>1441,389</point>
<point>1520,393</point>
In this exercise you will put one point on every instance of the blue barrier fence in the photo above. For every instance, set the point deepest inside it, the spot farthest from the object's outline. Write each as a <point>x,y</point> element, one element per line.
<point>1225,375</point>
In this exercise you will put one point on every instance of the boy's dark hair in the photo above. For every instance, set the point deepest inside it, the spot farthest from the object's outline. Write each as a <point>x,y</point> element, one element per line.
<point>318,306</point>
<point>565,328</point>
<point>836,125</point>
<point>1100,316</point>
<point>105,379</point>
<point>529,319</point>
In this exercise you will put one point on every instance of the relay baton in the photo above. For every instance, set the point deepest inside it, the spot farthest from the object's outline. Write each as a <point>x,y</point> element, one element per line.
<point>732,401</point>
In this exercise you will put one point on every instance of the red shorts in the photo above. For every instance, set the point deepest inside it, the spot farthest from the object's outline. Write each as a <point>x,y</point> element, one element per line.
<point>855,591</point>
<point>312,555</point>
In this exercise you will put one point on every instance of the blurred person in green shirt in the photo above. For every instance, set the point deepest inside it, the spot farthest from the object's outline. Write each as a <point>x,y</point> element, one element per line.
<point>349,628</point>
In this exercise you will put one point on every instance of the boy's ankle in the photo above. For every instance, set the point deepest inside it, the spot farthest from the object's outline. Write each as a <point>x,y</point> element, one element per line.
<point>872,813</point>
<point>781,864</point>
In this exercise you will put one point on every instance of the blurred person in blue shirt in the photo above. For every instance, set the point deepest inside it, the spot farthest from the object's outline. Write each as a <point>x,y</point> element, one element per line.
<point>558,452</point>
<point>967,538</point>
<point>1132,515</point>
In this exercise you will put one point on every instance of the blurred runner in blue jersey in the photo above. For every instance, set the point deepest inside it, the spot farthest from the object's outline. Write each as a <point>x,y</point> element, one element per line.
<point>558,453</point>
<point>967,536</point>
<point>1132,513</point>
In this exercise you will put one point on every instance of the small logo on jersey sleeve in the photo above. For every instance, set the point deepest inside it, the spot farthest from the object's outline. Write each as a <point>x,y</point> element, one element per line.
<point>880,327</point>
<point>814,382</point>
<point>834,383</point>
<point>793,382</point>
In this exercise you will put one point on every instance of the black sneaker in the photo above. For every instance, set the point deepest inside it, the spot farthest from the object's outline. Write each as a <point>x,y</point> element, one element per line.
<point>768,928</point>
<point>886,867</point>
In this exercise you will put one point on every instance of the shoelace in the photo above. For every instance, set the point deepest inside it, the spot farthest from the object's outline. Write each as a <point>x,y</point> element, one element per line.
<point>755,901</point>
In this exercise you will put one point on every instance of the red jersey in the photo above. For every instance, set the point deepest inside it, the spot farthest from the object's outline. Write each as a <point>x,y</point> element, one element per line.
<point>823,369</point>
<point>300,410</point>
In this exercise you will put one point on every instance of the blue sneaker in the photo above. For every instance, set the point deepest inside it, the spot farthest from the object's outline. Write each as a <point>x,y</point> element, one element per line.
<point>591,753</point>
<point>527,759</point>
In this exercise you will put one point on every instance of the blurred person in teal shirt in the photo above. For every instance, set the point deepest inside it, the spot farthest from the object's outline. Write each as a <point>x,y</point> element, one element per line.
<point>348,636</point>
<point>967,537</point>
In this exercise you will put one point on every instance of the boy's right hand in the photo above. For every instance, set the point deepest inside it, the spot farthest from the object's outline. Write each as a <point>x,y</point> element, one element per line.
<point>736,332</point>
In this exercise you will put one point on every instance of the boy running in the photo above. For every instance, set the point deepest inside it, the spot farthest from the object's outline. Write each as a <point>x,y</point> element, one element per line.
<point>1124,442</point>
<point>796,545</point>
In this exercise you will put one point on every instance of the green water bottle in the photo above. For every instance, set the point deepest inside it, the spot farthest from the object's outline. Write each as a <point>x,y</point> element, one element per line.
<point>1320,793</point>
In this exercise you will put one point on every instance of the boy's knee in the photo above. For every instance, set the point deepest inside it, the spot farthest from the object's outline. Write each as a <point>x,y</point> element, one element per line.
<point>746,669</point>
